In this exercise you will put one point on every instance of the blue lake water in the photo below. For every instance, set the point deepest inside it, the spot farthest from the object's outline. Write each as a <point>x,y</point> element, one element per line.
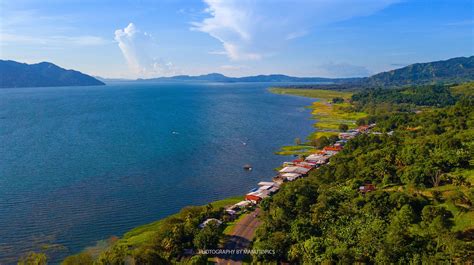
<point>79,164</point>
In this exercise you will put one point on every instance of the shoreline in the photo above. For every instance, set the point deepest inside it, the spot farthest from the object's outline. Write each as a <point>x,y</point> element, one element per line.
<point>144,233</point>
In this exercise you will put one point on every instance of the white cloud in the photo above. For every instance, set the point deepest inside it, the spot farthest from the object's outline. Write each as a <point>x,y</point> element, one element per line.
<point>59,41</point>
<point>139,48</point>
<point>251,30</point>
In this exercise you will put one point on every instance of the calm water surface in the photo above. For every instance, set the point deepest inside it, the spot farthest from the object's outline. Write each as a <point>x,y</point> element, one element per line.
<point>80,164</point>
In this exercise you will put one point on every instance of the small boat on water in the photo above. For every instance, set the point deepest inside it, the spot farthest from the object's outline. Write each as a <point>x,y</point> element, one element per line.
<point>248,167</point>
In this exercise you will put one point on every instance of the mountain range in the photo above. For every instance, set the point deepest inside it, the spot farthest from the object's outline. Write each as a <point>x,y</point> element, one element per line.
<point>216,77</point>
<point>455,70</point>
<point>44,74</point>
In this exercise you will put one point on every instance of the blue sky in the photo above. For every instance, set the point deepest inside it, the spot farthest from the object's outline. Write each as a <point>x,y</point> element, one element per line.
<point>331,38</point>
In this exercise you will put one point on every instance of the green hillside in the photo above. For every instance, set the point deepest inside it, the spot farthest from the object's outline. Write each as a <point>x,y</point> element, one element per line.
<point>455,70</point>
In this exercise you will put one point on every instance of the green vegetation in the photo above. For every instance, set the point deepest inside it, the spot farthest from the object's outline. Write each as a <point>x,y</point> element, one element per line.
<point>333,114</point>
<point>421,163</point>
<point>463,89</point>
<point>422,210</point>
<point>296,150</point>
<point>33,258</point>
<point>163,241</point>
<point>434,95</point>
<point>455,70</point>
<point>312,93</point>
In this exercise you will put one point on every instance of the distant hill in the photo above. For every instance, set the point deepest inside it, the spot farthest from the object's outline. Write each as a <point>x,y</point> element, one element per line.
<point>215,77</point>
<point>455,70</point>
<point>15,74</point>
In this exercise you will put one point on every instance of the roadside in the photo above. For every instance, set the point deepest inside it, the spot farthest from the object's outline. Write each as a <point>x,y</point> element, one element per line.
<point>240,238</point>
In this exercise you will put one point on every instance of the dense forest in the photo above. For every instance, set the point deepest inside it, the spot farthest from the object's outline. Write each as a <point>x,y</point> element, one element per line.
<point>460,69</point>
<point>421,210</point>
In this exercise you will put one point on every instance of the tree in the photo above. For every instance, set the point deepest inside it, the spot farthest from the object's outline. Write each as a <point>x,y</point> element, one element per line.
<point>114,256</point>
<point>208,237</point>
<point>343,127</point>
<point>321,142</point>
<point>79,259</point>
<point>148,256</point>
<point>33,258</point>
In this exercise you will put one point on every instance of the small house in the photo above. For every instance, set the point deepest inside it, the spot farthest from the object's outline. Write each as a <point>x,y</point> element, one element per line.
<point>210,220</point>
<point>298,170</point>
<point>367,188</point>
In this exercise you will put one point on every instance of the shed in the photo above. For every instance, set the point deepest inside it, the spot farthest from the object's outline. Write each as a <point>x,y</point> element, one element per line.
<point>210,220</point>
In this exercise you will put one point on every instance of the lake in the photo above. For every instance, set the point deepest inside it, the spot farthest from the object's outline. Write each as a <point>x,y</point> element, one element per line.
<point>80,164</point>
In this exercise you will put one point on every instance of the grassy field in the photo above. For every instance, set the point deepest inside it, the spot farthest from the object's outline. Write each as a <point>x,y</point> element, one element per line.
<point>296,150</point>
<point>311,93</point>
<point>329,116</point>
<point>466,89</point>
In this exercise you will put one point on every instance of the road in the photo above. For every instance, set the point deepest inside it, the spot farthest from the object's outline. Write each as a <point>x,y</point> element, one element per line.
<point>240,238</point>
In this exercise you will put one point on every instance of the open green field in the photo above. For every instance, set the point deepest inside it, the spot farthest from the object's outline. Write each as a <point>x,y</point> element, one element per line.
<point>466,89</point>
<point>296,150</point>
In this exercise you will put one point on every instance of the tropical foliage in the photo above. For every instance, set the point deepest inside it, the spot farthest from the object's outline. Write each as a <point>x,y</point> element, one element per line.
<point>422,208</point>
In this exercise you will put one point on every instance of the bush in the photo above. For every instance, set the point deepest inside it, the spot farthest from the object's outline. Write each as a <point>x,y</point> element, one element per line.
<point>79,259</point>
<point>33,258</point>
<point>343,127</point>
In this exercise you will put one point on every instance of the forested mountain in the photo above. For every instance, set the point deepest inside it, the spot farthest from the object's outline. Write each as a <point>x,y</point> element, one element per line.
<point>15,74</point>
<point>216,77</point>
<point>454,70</point>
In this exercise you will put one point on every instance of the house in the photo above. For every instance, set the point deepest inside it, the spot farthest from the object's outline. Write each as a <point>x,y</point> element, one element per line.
<point>306,164</point>
<point>291,176</point>
<point>298,160</point>
<point>295,169</point>
<point>257,196</point>
<point>363,128</point>
<point>332,148</point>
<point>348,135</point>
<point>210,220</point>
<point>317,159</point>
<point>274,189</point>
<point>279,180</point>
<point>242,204</point>
<point>252,197</point>
<point>367,188</point>
<point>266,183</point>
<point>266,187</point>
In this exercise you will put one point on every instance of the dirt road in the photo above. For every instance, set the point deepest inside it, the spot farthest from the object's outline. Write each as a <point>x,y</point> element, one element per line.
<point>240,238</point>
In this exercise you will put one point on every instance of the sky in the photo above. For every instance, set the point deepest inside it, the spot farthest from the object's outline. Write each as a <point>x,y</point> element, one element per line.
<point>145,38</point>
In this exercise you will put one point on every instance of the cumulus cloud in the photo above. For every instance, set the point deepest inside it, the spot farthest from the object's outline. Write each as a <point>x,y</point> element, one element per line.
<point>139,49</point>
<point>251,30</point>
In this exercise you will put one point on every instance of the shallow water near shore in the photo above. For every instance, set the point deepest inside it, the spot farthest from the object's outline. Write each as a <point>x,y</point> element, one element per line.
<point>79,164</point>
